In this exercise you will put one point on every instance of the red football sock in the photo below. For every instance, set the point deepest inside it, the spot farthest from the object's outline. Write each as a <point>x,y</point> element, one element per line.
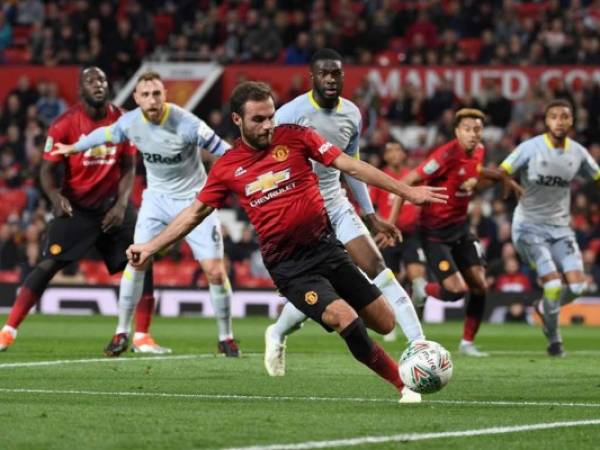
<point>471,327</point>
<point>26,298</point>
<point>434,290</point>
<point>143,313</point>
<point>385,366</point>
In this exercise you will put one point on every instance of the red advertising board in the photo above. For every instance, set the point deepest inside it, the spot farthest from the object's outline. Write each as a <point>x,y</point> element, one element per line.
<point>66,77</point>
<point>515,81</point>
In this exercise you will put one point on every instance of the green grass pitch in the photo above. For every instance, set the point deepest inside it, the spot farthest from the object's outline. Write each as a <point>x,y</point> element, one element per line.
<point>516,398</point>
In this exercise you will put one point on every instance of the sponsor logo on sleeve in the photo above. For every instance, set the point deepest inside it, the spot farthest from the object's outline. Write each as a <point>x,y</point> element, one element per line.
<point>325,148</point>
<point>431,167</point>
<point>311,297</point>
<point>49,144</point>
<point>55,249</point>
<point>444,265</point>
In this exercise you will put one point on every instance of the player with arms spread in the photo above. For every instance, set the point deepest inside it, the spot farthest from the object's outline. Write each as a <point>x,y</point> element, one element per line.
<point>454,254</point>
<point>91,207</point>
<point>168,137</point>
<point>269,169</point>
<point>339,121</point>
<point>541,232</point>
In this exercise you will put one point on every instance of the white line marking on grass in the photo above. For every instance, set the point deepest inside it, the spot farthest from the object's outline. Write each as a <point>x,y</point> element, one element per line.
<point>286,398</point>
<point>411,437</point>
<point>542,352</point>
<point>103,360</point>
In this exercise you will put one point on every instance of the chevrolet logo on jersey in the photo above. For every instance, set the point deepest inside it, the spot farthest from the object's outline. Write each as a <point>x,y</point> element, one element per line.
<point>101,151</point>
<point>267,182</point>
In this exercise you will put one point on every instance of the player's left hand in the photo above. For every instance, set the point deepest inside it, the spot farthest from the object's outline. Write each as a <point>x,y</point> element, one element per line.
<point>385,233</point>
<point>420,195</point>
<point>138,255</point>
<point>63,149</point>
<point>113,219</point>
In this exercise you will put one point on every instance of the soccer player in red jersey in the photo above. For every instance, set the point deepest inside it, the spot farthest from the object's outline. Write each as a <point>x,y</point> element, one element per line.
<point>408,250</point>
<point>91,208</point>
<point>270,170</point>
<point>455,255</point>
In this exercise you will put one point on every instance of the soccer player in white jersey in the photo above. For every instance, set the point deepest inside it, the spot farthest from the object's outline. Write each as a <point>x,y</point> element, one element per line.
<point>168,137</point>
<point>541,224</point>
<point>339,121</point>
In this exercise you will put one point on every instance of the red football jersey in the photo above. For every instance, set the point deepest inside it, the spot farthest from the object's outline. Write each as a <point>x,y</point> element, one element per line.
<point>91,177</point>
<point>277,188</point>
<point>408,219</point>
<point>450,166</point>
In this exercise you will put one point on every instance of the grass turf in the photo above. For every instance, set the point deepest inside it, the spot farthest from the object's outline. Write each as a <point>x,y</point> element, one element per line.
<point>203,401</point>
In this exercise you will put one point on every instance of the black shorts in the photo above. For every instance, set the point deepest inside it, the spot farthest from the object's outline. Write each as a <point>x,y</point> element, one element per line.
<point>408,251</point>
<point>69,238</point>
<point>447,258</point>
<point>315,277</point>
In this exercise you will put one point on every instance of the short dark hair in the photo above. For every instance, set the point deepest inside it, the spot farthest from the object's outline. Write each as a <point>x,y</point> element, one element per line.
<point>248,90</point>
<point>148,76</point>
<point>557,102</point>
<point>468,113</point>
<point>324,53</point>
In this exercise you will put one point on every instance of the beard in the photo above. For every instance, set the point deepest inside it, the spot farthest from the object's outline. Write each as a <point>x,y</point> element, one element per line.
<point>259,142</point>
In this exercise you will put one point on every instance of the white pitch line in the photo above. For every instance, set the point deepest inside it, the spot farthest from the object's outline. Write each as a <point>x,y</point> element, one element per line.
<point>103,360</point>
<point>411,437</point>
<point>543,353</point>
<point>288,398</point>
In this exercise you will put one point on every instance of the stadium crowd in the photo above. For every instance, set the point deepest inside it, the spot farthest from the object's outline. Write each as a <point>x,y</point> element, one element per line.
<point>116,35</point>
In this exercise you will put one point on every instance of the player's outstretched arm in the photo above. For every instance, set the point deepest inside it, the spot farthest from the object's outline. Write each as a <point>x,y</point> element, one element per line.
<point>373,176</point>
<point>411,178</point>
<point>103,135</point>
<point>186,220</point>
<point>489,177</point>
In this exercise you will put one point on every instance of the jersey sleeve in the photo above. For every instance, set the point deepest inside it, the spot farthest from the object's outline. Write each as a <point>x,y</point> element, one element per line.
<point>58,132</point>
<point>285,114</point>
<point>115,133</point>
<point>589,167</point>
<point>516,160</point>
<point>196,131</point>
<point>214,193</point>
<point>433,165</point>
<point>318,148</point>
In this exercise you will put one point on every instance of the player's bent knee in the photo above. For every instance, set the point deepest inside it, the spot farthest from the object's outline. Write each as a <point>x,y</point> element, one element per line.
<point>553,289</point>
<point>338,315</point>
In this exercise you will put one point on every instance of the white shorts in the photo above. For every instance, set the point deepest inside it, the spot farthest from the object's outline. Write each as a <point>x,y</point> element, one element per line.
<point>158,210</point>
<point>547,248</point>
<point>346,223</point>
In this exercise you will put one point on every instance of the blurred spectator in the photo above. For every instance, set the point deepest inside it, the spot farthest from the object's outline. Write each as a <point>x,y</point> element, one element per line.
<point>49,106</point>
<point>299,52</point>
<point>5,33</point>
<point>29,12</point>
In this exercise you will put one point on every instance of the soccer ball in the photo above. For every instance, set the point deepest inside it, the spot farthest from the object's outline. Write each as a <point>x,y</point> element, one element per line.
<point>425,367</point>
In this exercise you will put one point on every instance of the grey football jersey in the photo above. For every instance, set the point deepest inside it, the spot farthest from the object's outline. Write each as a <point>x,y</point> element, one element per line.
<point>546,174</point>
<point>170,149</point>
<point>340,126</point>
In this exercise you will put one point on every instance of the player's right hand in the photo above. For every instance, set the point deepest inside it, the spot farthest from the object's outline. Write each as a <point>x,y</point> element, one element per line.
<point>138,255</point>
<point>63,149</point>
<point>420,195</point>
<point>61,206</point>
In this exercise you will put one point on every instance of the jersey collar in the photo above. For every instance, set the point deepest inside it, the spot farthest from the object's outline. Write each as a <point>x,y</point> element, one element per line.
<point>313,102</point>
<point>549,144</point>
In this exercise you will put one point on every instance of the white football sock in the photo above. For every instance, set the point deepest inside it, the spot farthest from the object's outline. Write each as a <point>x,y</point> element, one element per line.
<point>405,313</point>
<point>11,330</point>
<point>130,292</point>
<point>220,296</point>
<point>290,320</point>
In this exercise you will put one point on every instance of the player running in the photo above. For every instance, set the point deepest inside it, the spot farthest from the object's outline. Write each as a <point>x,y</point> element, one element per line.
<point>91,207</point>
<point>408,251</point>
<point>454,254</point>
<point>541,232</point>
<point>339,121</point>
<point>168,138</point>
<point>269,169</point>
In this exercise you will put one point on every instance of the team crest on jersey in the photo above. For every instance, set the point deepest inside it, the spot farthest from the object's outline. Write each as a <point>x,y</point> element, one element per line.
<point>49,144</point>
<point>280,153</point>
<point>55,249</point>
<point>268,181</point>
<point>431,167</point>
<point>444,265</point>
<point>311,297</point>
